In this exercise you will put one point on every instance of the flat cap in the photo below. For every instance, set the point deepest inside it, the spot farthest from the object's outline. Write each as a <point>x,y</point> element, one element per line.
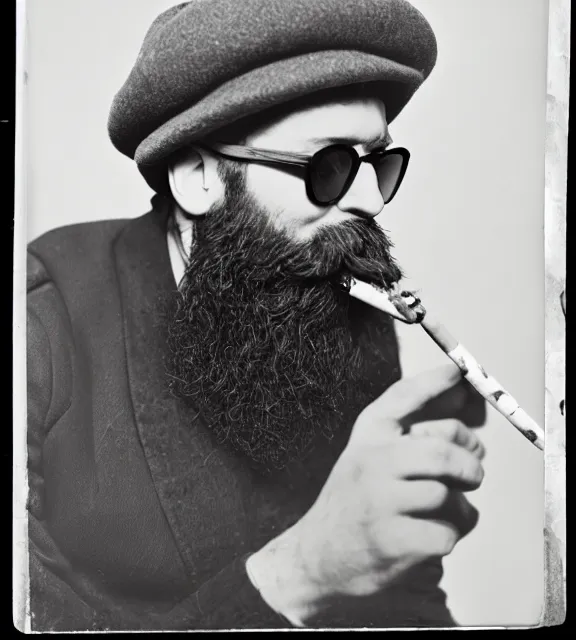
<point>205,64</point>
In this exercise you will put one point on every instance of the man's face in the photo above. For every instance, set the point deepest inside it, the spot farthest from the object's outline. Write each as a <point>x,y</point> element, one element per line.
<point>281,192</point>
<point>266,343</point>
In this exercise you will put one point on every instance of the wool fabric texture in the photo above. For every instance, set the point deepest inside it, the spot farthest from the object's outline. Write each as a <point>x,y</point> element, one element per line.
<point>205,64</point>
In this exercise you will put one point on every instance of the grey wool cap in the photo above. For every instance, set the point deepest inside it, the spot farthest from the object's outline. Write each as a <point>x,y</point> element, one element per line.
<point>205,64</point>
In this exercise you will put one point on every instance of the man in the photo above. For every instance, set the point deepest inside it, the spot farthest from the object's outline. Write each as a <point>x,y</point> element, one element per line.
<point>218,433</point>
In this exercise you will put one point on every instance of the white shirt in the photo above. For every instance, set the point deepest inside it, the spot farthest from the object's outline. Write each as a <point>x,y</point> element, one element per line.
<point>179,243</point>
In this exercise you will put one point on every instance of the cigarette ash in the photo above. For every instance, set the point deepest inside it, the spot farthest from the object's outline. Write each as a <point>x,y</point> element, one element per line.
<point>408,305</point>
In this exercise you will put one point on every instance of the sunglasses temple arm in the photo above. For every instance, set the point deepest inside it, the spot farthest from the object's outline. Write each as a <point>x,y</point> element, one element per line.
<point>252,153</point>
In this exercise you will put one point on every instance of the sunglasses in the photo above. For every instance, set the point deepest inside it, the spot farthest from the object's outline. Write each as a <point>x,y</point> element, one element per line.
<point>331,171</point>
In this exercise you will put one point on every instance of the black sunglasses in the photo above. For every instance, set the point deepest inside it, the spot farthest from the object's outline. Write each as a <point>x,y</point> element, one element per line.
<point>331,171</point>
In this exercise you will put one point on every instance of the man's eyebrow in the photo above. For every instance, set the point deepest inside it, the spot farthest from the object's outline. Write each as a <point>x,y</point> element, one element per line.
<point>371,144</point>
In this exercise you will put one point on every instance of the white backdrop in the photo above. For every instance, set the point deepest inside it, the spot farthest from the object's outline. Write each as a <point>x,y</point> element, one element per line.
<point>467,224</point>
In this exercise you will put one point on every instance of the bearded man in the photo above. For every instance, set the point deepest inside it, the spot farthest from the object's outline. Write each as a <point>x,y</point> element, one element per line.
<point>219,435</point>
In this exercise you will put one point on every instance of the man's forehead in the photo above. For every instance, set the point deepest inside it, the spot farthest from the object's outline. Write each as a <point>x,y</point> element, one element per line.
<point>355,121</point>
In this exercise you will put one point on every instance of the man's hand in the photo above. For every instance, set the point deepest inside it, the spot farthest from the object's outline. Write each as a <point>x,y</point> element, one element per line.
<point>394,498</point>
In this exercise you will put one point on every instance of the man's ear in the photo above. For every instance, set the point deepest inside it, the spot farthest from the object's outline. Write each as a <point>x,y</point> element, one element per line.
<point>194,180</point>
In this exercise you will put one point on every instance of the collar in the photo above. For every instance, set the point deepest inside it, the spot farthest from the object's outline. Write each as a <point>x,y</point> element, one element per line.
<point>180,228</point>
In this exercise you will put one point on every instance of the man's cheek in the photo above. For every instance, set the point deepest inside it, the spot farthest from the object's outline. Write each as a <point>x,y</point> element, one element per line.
<point>283,197</point>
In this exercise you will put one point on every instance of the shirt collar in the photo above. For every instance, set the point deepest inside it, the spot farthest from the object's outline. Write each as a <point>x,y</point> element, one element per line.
<point>180,229</point>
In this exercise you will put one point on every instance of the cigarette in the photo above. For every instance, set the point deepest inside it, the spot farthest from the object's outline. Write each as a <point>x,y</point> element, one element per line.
<point>400,305</point>
<point>406,307</point>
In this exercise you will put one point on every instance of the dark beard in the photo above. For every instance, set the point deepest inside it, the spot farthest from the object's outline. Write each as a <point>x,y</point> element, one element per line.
<point>266,343</point>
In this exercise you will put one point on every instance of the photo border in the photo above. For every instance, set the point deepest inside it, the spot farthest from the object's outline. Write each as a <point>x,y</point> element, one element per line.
<point>556,183</point>
<point>556,165</point>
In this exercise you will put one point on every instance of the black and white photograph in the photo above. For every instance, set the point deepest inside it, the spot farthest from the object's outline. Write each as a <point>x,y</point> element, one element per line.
<point>291,328</point>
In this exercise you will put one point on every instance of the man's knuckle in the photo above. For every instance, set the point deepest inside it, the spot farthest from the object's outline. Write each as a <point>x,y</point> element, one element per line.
<point>440,454</point>
<point>446,543</point>
<point>480,472</point>
<point>474,444</point>
<point>453,428</point>
<point>395,454</point>
<point>442,540</point>
<point>436,495</point>
<point>470,470</point>
<point>438,540</point>
<point>480,450</point>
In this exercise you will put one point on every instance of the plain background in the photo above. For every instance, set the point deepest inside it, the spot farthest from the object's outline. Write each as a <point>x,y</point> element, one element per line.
<point>467,224</point>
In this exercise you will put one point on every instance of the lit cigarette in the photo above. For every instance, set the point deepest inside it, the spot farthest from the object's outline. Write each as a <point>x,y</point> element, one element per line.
<point>402,306</point>
<point>406,307</point>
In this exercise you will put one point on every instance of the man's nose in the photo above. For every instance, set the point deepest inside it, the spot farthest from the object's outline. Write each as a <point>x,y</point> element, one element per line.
<point>363,198</point>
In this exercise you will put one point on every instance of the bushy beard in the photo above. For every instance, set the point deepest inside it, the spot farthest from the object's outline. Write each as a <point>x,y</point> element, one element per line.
<point>266,343</point>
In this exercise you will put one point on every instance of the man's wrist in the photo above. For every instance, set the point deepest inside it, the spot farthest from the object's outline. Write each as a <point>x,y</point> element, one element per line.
<point>278,573</point>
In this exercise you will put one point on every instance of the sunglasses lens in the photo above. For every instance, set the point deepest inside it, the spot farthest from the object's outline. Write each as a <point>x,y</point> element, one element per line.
<point>329,173</point>
<point>390,171</point>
